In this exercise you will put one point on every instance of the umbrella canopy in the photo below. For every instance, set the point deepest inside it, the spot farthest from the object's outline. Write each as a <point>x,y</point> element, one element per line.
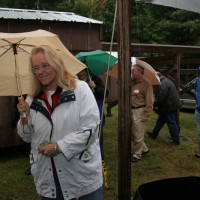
<point>190,5</point>
<point>15,49</point>
<point>149,72</point>
<point>97,61</point>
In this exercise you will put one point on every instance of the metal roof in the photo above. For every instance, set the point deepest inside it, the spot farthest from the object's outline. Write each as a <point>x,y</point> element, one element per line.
<point>12,13</point>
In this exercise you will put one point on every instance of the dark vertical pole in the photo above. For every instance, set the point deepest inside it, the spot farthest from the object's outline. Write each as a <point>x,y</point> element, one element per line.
<point>177,80</point>
<point>124,120</point>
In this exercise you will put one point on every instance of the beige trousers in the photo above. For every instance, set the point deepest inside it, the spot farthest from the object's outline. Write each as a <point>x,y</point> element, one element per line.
<point>137,133</point>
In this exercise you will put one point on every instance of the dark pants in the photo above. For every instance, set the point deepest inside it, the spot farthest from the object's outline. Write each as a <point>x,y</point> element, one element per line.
<point>96,195</point>
<point>170,120</point>
<point>110,105</point>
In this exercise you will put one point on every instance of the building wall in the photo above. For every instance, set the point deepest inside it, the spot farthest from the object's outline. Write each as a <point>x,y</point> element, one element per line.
<point>75,36</point>
<point>8,133</point>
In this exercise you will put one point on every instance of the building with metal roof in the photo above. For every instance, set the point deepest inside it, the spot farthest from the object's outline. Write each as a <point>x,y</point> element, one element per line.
<point>12,13</point>
<point>78,33</point>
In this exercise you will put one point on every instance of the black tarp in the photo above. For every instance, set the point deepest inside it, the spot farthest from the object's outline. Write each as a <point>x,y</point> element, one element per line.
<point>184,188</point>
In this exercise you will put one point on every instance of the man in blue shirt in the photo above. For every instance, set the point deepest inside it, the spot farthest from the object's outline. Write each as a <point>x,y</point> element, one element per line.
<point>197,109</point>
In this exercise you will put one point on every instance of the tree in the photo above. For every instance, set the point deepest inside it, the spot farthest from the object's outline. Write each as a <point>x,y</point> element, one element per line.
<point>27,4</point>
<point>164,25</point>
<point>150,23</point>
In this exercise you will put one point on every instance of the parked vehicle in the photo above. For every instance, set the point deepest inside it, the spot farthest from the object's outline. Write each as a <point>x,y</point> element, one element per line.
<point>188,100</point>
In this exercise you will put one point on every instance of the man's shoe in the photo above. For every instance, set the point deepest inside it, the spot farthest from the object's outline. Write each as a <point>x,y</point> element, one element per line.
<point>134,159</point>
<point>197,155</point>
<point>145,152</point>
<point>151,135</point>
<point>175,143</point>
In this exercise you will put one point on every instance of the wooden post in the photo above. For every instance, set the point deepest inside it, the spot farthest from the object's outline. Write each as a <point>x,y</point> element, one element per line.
<point>124,117</point>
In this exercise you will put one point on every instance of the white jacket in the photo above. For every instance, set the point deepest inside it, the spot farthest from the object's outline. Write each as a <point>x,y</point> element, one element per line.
<point>74,125</point>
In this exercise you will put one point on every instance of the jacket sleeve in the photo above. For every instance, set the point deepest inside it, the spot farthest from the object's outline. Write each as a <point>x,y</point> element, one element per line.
<point>149,99</point>
<point>100,88</point>
<point>76,142</point>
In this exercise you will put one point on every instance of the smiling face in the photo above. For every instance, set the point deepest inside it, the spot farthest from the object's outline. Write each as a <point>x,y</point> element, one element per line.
<point>44,71</point>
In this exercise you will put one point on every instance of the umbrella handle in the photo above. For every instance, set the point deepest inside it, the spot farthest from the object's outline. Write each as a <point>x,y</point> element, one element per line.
<point>23,115</point>
<point>89,78</point>
<point>24,118</point>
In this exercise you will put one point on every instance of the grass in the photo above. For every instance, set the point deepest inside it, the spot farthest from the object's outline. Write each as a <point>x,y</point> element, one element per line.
<point>163,161</point>
<point>14,184</point>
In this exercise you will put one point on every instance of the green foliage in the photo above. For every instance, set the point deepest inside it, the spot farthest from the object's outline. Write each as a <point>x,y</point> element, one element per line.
<point>179,28</point>
<point>164,25</point>
<point>142,24</point>
<point>151,24</point>
<point>108,7</point>
<point>27,4</point>
<point>79,7</point>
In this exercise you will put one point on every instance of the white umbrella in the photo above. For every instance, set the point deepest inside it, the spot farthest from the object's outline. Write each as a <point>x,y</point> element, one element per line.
<point>149,72</point>
<point>190,5</point>
<point>14,59</point>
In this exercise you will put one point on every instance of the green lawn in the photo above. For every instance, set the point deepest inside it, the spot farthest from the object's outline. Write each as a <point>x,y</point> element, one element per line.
<point>163,161</point>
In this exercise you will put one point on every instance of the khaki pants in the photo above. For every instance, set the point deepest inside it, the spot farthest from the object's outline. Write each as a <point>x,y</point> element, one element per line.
<point>138,131</point>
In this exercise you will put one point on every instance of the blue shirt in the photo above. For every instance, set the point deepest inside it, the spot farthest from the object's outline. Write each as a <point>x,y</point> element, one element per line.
<point>197,93</point>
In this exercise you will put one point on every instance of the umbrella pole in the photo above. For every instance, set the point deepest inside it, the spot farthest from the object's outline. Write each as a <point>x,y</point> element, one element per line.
<point>19,90</point>
<point>18,81</point>
<point>89,78</point>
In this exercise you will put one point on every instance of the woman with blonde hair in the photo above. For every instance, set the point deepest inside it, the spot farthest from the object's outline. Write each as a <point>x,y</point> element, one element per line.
<point>62,122</point>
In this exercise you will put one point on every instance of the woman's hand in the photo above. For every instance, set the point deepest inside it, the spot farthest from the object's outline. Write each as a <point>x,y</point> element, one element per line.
<point>92,84</point>
<point>49,150</point>
<point>23,107</point>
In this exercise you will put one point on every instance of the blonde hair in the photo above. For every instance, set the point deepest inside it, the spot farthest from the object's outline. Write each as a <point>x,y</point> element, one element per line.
<point>64,78</point>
